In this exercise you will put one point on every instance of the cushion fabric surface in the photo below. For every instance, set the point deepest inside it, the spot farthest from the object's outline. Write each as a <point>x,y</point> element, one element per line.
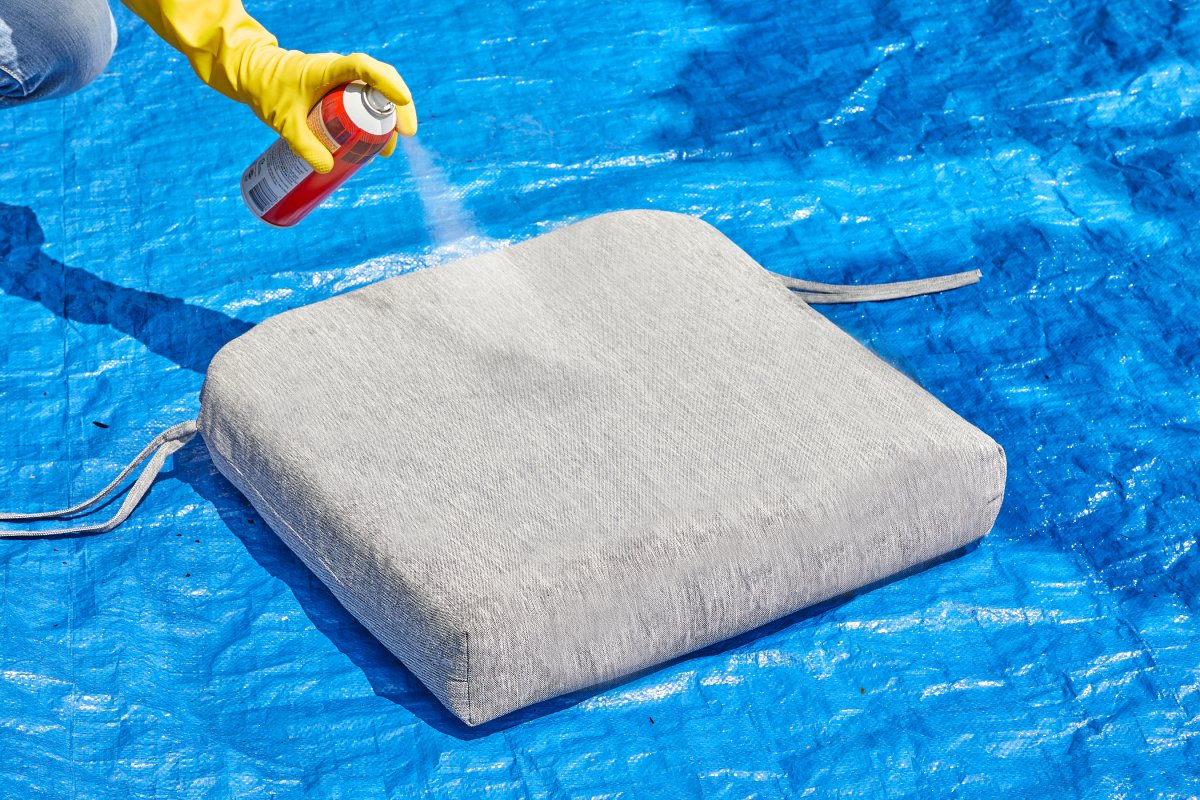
<point>558,463</point>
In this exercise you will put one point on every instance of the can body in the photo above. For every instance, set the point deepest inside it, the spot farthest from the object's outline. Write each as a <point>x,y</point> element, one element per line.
<point>354,122</point>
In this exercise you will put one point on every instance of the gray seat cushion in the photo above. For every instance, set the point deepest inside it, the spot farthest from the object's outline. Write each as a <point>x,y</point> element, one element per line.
<point>558,463</point>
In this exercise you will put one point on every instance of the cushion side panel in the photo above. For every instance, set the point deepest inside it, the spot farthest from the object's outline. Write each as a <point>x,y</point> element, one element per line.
<point>433,649</point>
<point>628,609</point>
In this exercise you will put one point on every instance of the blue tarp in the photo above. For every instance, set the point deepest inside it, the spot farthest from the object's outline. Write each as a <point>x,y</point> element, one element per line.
<point>1055,144</point>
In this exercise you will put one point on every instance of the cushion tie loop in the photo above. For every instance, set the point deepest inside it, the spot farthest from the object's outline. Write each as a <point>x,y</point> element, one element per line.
<point>813,292</point>
<point>157,452</point>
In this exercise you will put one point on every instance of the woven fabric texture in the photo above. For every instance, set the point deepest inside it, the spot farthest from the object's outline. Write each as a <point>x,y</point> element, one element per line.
<point>558,463</point>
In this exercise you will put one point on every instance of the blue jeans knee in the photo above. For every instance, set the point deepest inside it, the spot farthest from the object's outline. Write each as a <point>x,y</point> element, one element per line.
<point>49,48</point>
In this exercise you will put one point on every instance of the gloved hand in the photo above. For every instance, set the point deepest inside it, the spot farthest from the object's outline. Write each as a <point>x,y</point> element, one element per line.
<point>235,55</point>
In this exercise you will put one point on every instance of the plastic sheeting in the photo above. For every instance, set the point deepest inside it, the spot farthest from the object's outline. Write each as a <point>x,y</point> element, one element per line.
<point>1054,145</point>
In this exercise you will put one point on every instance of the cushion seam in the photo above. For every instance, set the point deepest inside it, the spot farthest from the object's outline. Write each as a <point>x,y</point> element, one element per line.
<point>17,78</point>
<point>467,658</point>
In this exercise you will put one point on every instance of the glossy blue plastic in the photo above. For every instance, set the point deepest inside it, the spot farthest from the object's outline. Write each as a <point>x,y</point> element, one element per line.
<point>1054,145</point>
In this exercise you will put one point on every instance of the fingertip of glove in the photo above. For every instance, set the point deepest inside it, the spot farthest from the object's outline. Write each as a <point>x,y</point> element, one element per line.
<point>379,74</point>
<point>321,165</point>
<point>320,159</point>
<point>406,121</point>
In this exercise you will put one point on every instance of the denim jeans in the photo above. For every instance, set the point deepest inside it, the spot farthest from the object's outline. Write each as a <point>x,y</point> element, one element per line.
<point>49,48</point>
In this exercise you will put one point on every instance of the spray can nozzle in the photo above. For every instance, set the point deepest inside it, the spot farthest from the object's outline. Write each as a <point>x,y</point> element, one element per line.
<point>377,103</point>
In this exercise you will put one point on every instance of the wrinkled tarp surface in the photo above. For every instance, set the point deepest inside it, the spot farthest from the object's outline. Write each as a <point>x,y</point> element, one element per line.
<point>1055,145</point>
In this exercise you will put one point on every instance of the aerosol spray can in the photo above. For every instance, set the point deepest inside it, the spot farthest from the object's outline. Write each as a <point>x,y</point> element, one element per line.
<point>354,121</point>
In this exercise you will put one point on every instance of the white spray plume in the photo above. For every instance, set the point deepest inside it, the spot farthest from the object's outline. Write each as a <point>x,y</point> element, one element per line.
<point>450,225</point>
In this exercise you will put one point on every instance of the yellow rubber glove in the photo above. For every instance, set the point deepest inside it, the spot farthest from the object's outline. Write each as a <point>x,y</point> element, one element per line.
<point>235,55</point>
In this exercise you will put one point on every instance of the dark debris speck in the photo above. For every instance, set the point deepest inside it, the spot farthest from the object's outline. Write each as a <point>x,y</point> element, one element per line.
<point>99,424</point>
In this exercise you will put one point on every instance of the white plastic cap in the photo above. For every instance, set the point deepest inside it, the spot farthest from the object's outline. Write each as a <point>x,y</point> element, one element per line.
<point>368,108</point>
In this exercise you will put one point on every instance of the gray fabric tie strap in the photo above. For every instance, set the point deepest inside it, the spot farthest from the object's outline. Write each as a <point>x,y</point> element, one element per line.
<point>157,452</point>
<point>813,292</point>
<point>172,439</point>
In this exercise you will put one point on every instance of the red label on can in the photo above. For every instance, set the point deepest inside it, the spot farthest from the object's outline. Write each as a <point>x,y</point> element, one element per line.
<point>280,188</point>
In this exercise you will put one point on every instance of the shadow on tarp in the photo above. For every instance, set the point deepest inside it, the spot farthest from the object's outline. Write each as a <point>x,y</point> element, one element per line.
<point>190,336</point>
<point>168,327</point>
<point>186,334</point>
